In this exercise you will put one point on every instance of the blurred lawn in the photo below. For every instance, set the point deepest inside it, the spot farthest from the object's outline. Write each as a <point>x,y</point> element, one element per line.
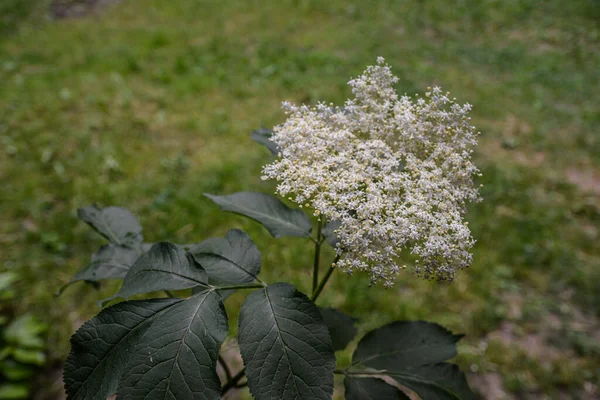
<point>149,103</point>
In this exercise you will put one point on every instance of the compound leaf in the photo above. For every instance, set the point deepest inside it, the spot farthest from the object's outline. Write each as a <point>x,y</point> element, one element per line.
<point>109,262</point>
<point>177,356</point>
<point>229,260</point>
<point>279,219</point>
<point>101,347</point>
<point>441,381</point>
<point>412,353</point>
<point>116,224</point>
<point>404,344</point>
<point>341,327</point>
<point>285,345</point>
<point>361,388</point>
<point>164,267</point>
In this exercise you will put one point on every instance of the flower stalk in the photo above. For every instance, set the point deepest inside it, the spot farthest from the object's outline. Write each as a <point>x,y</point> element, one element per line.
<point>317,255</point>
<point>323,282</point>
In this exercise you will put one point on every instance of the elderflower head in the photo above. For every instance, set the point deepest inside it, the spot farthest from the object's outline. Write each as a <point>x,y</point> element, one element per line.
<point>394,173</point>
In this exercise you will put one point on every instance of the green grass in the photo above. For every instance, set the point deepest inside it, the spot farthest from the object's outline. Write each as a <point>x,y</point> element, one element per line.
<point>149,104</point>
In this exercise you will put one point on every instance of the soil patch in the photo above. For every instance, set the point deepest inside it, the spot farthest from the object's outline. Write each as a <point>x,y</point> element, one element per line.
<point>586,179</point>
<point>60,9</point>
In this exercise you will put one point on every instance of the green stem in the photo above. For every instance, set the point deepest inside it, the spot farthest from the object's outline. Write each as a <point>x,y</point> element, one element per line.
<point>317,255</point>
<point>241,286</point>
<point>233,381</point>
<point>317,292</point>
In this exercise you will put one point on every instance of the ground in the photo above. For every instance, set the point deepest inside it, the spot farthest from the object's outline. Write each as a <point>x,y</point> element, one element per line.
<point>149,104</point>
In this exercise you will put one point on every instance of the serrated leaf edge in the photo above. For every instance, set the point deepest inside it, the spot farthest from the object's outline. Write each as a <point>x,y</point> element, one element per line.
<point>147,320</point>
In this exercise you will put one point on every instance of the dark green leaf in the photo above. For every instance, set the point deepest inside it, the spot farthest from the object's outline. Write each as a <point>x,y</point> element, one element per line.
<point>360,388</point>
<point>285,345</point>
<point>177,356</point>
<point>110,262</point>
<point>329,232</point>
<point>262,136</point>
<point>403,344</point>
<point>101,347</point>
<point>279,219</point>
<point>229,260</point>
<point>436,382</point>
<point>341,327</point>
<point>116,224</point>
<point>412,353</point>
<point>147,246</point>
<point>164,267</point>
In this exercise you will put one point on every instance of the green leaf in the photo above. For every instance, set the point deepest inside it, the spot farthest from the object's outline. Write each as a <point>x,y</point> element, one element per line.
<point>116,224</point>
<point>329,232</point>
<point>164,267</point>
<point>285,345</point>
<point>6,280</point>
<point>262,136</point>
<point>341,327</point>
<point>229,260</point>
<point>279,219</point>
<point>441,381</point>
<point>29,356</point>
<point>14,391</point>
<point>101,348</point>
<point>24,331</point>
<point>360,388</point>
<point>6,351</point>
<point>412,353</point>
<point>404,344</point>
<point>177,356</point>
<point>14,371</point>
<point>109,262</point>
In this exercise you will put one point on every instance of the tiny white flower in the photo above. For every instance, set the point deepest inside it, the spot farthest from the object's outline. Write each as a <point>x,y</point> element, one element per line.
<point>396,173</point>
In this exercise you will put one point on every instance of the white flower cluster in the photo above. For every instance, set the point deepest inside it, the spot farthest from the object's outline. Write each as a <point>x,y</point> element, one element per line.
<point>395,172</point>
